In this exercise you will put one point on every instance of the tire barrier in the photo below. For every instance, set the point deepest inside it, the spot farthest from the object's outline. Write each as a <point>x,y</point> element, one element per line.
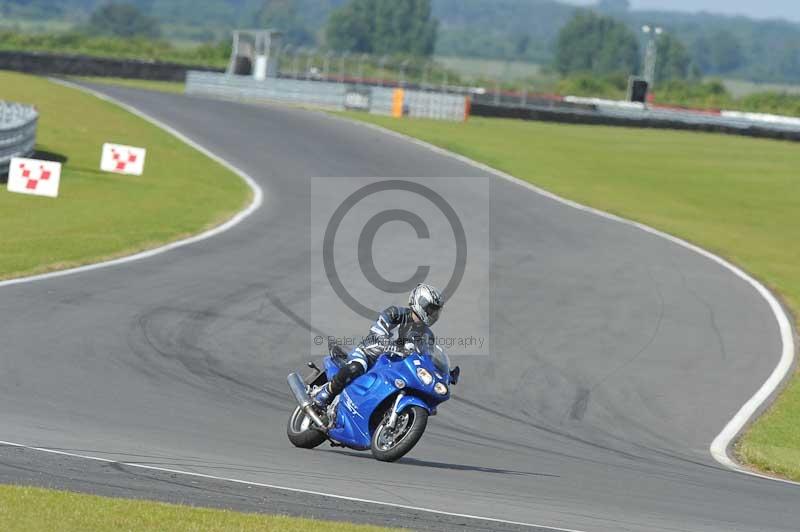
<point>83,65</point>
<point>17,132</point>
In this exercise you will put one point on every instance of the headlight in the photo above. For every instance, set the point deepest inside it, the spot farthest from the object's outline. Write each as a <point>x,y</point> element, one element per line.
<point>440,388</point>
<point>425,376</point>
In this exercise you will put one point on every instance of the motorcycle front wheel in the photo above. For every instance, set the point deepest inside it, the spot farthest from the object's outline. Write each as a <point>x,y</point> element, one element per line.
<point>389,445</point>
<point>301,431</point>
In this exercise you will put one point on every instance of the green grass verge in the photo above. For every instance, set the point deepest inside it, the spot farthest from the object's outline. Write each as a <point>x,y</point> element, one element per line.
<point>773,443</point>
<point>735,196</point>
<point>175,87</point>
<point>99,215</point>
<point>24,509</point>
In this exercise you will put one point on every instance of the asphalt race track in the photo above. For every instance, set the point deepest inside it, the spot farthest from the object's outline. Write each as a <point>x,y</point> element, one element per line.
<point>618,357</point>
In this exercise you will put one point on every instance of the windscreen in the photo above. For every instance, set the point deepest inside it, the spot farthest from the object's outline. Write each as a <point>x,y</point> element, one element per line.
<point>440,360</point>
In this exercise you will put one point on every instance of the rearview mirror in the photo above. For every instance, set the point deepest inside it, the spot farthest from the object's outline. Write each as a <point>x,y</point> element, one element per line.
<point>455,373</point>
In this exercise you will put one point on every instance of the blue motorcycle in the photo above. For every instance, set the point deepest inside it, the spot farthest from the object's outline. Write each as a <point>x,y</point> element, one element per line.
<point>385,410</point>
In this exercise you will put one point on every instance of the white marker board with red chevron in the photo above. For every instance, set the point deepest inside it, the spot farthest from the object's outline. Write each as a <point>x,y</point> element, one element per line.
<point>35,177</point>
<point>122,159</point>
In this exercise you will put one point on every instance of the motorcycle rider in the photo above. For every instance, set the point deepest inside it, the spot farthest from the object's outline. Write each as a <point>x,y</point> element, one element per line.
<point>424,307</point>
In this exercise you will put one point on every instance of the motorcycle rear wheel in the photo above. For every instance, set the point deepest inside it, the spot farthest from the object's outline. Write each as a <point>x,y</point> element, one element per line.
<point>389,445</point>
<point>301,431</point>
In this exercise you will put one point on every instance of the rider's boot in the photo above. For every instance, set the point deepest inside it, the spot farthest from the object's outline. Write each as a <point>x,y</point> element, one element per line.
<point>322,396</point>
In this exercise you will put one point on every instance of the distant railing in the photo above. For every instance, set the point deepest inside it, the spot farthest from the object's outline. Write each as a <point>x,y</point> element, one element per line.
<point>17,132</point>
<point>332,95</point>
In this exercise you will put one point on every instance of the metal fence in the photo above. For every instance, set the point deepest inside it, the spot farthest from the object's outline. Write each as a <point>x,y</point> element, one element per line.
<point>17,132</point>
<point>331,95</point>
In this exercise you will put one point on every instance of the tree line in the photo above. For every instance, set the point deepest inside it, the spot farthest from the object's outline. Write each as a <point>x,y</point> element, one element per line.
<point>528,30</point>
<point>588,43</point>
<point>596,44</point>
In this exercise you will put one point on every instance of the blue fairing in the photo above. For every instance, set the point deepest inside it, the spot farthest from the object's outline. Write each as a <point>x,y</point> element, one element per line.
<point>364,400</point>
<point>410,400</point>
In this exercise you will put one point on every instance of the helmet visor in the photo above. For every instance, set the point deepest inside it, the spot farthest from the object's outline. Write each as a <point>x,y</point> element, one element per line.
<point>432,311</point>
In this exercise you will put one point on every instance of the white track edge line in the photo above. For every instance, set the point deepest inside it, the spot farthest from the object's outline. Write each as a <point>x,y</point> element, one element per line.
<point>283,488</point>
<point>721,444</point>
<point>255,204</point>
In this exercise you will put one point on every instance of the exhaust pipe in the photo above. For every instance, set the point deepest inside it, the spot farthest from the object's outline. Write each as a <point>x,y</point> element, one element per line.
<point>298,388</point>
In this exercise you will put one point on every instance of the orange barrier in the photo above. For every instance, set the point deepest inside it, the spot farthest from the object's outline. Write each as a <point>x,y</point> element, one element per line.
<point>398,99</point>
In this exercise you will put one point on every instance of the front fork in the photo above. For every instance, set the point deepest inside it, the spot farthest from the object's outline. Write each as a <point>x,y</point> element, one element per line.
<point>393,417</point>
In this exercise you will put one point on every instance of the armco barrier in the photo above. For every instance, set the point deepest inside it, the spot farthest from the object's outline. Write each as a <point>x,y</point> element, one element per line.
<point>331,95</point>
<point>17,132</point>
<point>601,113</point>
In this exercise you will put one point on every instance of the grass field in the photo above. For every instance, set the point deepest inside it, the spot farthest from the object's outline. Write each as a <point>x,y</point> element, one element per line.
<point>739,88</point>
<point>35,26</point>
<point>100,215</point>
<point>24,509</point>
<point>490,68</point>
<point>738,197</point>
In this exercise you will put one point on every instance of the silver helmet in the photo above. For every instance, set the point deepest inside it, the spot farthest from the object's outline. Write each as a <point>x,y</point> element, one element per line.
<point>427,303</point>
